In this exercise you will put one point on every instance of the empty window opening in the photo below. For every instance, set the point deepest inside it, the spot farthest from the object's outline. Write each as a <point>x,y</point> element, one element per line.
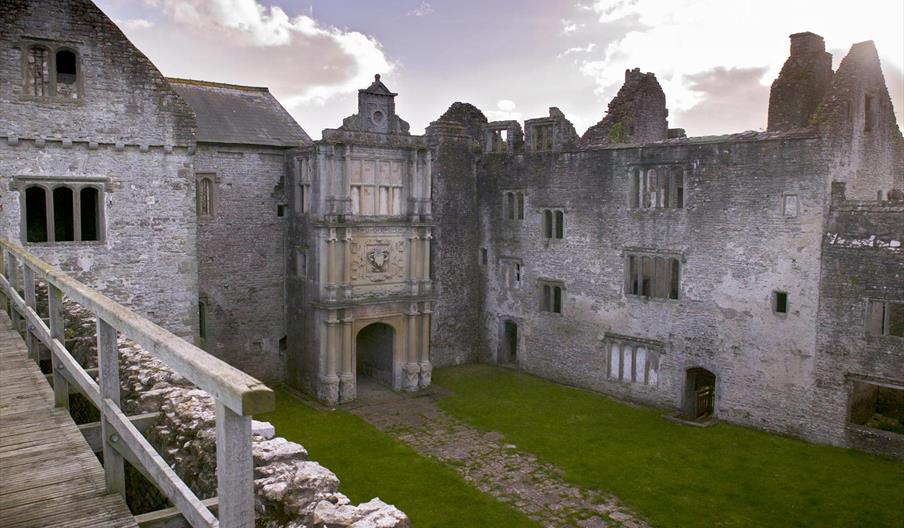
<point>66,73</point>
<point>483,256</point>
<point>633,363</point>
<point>656,189</point>
<point>878,407</point>
<point>790,205</point>
<point>551,298</point>
<point>35,214</point>
<point>202,319</point>
<point>869,113</point>
<point>885,318</point>
<point>553,224</point>
<point>510,205</point>
<point>38,74</point>
<point>283,344</point>
<point>63,215</point>
<point>520,204</point>
<point>280,210</point>
<point>780,302</point>
<point>650,276</point>
<point>205,197</point>
<point>90,213</point>
<point>499,141</point>
<point>301,204</point>
<point>543,137</point>
<point>511,273</point>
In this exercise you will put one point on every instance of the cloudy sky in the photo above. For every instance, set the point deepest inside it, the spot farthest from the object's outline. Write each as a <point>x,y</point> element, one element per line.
<point>512,58</point>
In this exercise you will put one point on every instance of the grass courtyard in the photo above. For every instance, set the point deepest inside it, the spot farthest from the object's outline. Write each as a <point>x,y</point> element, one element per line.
<point>673,475</point>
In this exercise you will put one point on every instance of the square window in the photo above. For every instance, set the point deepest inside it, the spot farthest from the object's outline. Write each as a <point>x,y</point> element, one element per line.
<point>280,210</point>
<point>780,302</point>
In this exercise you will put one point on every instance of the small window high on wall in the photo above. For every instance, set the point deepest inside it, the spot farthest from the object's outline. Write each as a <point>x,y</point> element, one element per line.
<point>51,70</point>
<point>66,73</point>
<point>62,213</point>
<point>205,195</point>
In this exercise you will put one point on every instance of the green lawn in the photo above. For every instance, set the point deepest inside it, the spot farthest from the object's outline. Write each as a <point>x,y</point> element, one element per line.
<point>678,476</point>
<point>370,464</point>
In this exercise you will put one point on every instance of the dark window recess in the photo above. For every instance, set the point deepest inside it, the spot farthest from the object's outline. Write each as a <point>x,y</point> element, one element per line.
<point>202,320</point>
<point>560,224</point>
<point>483,256</point>
<point>520,206</point>
<point>66,69</point>
<point>280,210</point>
<point>90,213</point>
<point>780,302</point>
<point>283,344</point>
<point>35,214</point>
<point>63,215</point>
<point>551,298</point>
<point>878,407</point>
<point>553,224</point>
<point>510,205</point>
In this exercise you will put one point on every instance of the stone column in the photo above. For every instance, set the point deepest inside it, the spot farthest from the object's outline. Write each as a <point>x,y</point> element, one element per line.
<point>411,369</point>
<point>424,356</point>
<point>428,186</point>
<point>331,264</point>
<point>412,184</point>
<point>347,264</point>
<point>329,381</point>
<point>347,388</point>
<point>426,283</point>
<point>413,262</point>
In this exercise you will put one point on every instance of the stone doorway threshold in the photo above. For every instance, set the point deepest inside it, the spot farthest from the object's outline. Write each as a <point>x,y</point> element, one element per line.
<point>678,418</point>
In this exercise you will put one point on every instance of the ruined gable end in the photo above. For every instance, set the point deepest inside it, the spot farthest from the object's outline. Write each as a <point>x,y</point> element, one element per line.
<point>803,82</point>
<point>637,114</point>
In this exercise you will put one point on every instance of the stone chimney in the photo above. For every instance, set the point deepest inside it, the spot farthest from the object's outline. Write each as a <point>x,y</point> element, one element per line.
<point>803,82</point>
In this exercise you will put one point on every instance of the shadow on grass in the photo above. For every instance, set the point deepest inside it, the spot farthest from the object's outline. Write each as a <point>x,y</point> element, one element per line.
<point>675,475</point>
<point>370,463</point>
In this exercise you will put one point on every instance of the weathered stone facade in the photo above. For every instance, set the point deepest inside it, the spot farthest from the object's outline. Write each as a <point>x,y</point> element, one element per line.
<point>717,275</point>
<point>359,290</point>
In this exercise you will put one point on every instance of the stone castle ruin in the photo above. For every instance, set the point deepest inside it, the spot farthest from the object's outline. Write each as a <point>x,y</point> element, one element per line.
<point>755,277</point>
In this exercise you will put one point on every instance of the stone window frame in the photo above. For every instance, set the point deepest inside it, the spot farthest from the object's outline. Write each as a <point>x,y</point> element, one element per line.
<point>53,47</point>
<point>211,177</point>
<point>671,257</point>
<point>552,223</point>
<point>548,135</point>
<point>513,203</point>
<point>49,184</point>
<point>484,257</point>
<point>640,177</point>
<point>786,213</point>
<point>547,304</point>
<point>872,318</point>
<point>511,271</point>
<point>851,382</point>
<point>775,302</point>
<point>652,348</point>
<point>303,187</point>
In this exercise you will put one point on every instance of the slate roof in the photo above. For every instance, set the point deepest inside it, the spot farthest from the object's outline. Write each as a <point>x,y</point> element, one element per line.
<point>246,115</point>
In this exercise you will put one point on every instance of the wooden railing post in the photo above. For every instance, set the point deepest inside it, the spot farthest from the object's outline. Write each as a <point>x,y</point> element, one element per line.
<point>11,276</point>
<point>28,285</point>
<point>108,367</point>
<point>235,469</point>
<point>57,331</point>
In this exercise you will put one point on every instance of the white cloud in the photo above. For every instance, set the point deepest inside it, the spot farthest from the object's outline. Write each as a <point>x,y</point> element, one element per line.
<point>570,26</point>
<point>318,61</point>
<point>505,111</point>
<point>422,10</point>
<point>570,51</point>
<point>134,23</point>
<point>678,39</point>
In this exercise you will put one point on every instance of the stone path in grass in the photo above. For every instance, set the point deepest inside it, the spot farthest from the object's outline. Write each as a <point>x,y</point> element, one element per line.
<point>490,464</point>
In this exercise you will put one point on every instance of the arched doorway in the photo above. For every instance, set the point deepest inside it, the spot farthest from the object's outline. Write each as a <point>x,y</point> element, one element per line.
<point>508,344</point>
<point>699,394</point>
<point>374,354</point>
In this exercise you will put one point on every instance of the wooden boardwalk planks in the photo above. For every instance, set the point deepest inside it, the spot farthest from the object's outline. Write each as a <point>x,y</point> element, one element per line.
<point>49,477</point>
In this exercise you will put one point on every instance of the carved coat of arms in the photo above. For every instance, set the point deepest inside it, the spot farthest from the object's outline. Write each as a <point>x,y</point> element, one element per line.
<point>378,258</point>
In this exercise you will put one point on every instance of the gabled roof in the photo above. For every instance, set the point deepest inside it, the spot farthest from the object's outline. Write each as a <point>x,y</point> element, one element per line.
<point>378,88</point>
<point>247,115</point>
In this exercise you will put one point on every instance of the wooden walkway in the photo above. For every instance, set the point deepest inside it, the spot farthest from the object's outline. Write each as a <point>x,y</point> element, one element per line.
<point>48,474</point>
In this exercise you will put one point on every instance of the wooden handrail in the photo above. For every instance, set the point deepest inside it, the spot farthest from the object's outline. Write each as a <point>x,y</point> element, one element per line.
<point>236,394</point>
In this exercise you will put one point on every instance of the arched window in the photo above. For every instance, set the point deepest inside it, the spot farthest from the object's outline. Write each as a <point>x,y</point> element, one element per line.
<point>560,224</point>
<point>66,73</point>
<point>35,214</point>
<point>89,199</point>
<point>63,215</point>
<point>205,197</point>
<point>37,77</point>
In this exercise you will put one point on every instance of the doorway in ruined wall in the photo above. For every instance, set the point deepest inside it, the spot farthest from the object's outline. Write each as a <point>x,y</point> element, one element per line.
<point>699,394</point>
<point>374,347</point>
<point>508,344</point>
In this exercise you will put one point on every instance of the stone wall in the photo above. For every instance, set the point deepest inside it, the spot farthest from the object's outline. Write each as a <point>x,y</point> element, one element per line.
<point>242,257</point>
<point>735,246</point>
<point>862,259</point>
<point>801,85</point>
<point>637,114</point>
